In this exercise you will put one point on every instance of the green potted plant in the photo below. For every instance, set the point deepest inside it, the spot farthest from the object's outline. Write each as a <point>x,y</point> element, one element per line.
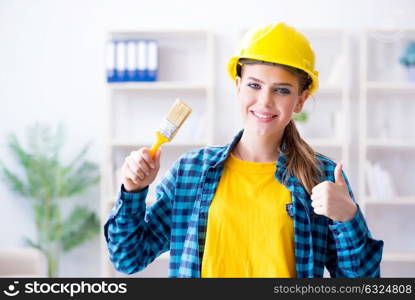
<point>300,119</point>
<point>47,182</point>
<point>408,60</point>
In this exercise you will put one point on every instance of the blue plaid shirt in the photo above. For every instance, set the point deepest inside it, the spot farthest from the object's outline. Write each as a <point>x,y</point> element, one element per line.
<point>136,235</point>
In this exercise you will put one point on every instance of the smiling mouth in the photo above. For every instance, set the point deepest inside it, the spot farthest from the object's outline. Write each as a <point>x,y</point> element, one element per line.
<point>263,116</point>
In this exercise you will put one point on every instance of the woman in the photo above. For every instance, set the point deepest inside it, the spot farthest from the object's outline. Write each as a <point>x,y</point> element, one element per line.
<point>265,205</point>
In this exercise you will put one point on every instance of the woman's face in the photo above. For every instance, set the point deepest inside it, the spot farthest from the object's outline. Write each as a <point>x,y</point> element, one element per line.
<point>268,96</point>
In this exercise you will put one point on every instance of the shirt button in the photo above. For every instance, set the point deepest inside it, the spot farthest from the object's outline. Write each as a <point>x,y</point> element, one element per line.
<point>336,232</point>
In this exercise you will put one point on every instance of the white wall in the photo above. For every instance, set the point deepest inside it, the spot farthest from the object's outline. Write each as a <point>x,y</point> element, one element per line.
<point>52,58</point>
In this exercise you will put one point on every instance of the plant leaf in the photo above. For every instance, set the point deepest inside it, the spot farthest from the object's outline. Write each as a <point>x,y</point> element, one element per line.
<point>16,149</point>
<point>30,243</point>
<point>82,177</point>
<point>78,159</point>
<point>16,184</point>
<point>80,226</point>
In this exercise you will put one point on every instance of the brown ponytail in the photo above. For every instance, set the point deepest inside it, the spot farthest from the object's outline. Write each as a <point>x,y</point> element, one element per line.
<point>301,158</point>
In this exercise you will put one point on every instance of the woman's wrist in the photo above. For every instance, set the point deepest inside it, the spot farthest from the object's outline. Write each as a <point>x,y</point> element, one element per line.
<point>351,214</point>
<point>135,190</point>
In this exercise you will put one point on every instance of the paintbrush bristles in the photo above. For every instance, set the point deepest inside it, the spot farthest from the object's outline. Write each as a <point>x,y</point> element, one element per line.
<point>175,118</point>
<point>178,113</point>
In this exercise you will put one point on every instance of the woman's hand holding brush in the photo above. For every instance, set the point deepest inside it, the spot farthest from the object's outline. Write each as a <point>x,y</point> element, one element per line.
<point>140,169</point>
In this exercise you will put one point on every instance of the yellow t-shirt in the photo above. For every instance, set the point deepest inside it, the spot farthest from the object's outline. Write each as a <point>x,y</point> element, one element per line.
<point>249,233</point>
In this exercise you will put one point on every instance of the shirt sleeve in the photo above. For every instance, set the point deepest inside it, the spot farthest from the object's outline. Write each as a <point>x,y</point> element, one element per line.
<point>136,235</point>
<point>352,252</point>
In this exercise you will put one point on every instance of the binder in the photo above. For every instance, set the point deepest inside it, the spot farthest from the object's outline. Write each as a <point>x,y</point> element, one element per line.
<point>141,74</point>
<point>120,63</point>
<point>152,60</point>
<point>110,58</point>
<point>131,60</point>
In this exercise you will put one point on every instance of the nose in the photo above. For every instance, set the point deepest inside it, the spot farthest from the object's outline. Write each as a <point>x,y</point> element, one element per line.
<point>265,98</point>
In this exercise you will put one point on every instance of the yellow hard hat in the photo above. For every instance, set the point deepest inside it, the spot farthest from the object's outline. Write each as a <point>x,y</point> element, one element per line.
<point>277,43</point>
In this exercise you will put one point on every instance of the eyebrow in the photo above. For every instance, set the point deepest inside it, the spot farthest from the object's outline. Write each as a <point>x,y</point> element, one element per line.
<point>275,83</point>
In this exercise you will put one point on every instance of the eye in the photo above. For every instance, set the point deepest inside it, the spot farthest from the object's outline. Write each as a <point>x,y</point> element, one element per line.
<point>282,90</point>
<point>254,85</point>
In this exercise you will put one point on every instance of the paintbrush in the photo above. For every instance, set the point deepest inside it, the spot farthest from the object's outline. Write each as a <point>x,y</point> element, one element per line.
<point>170,125</point>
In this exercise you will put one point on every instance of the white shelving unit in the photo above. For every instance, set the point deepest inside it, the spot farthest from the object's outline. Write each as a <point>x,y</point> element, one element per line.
<point>135,110</point>
<point>385,128</point>
<point>387,139</point>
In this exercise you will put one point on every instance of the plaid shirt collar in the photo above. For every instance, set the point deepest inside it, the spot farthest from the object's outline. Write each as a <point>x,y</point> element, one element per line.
<point>292,183</point>
<point>222,155</point>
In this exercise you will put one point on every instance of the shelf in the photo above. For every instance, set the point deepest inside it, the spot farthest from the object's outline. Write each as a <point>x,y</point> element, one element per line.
<point>399,256</point>
<point>398,200</point>
<point>403,86</point>
<point>391,143</point>
<point>127,144</point>
<point>158,85</point>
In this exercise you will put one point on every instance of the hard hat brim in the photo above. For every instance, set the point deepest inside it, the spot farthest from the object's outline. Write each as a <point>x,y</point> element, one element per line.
<point>233,61</point>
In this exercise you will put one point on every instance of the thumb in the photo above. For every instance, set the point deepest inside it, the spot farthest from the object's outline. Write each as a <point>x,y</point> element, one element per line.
<point>338,176</point>
<point>157,157</point>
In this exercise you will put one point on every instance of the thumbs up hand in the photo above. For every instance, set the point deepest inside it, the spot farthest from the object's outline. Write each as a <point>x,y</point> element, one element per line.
<point>332,199</point>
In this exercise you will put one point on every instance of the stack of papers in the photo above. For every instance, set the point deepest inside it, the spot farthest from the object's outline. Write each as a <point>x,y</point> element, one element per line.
<point>380,183</point>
